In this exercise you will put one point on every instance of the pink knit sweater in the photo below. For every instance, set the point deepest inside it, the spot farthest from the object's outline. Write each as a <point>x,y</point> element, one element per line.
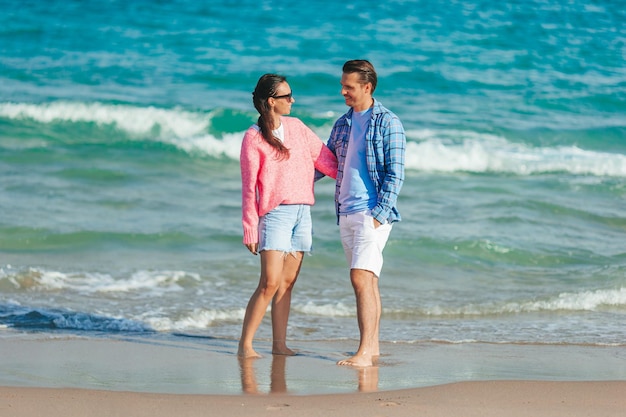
<point>268,181</point>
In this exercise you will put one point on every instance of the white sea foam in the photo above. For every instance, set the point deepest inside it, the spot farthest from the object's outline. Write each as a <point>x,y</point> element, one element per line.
<point>478,153</point>
<point>452,151</point>
<point>147,283</point>
<point>569,301</point>
<point>326,310</point>
<point>184,129</point>
<point>82,321</point>
<point>429,150</point>
<point>229,145</point>
<point>197,319</point>
<point>580,301</point>
<point>134,120</point>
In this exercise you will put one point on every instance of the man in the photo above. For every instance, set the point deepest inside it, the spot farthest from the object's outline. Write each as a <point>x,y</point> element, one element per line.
<point>370,146</point>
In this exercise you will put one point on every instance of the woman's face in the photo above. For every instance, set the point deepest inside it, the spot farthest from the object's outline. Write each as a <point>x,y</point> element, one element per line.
<point>281,101</point>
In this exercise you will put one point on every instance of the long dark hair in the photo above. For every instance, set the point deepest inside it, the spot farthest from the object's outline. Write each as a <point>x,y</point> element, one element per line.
<point>266,88</point>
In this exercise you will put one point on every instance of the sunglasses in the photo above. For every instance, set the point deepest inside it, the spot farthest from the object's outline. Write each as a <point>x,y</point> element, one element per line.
<point>287,96</point>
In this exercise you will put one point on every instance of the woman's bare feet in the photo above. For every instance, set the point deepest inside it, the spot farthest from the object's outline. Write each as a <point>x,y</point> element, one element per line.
<point>280,348</point>
<point>247,353</point>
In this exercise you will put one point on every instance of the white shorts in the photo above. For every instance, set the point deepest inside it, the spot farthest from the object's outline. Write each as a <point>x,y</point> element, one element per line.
<point>362,243</point>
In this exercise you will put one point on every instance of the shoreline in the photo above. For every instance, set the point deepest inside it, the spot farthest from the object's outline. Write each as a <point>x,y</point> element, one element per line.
<point>194,364</point>
<point>160,375</point>
<point>479,399</point>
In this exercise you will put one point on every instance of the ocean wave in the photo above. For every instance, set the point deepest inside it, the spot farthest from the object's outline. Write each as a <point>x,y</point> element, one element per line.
<point>140,283</point>
<point>326,310</point>
<point>16,316</point>
<point>132,119</point>
<point>229,145</point>
<point>565,302</point>
<point>466,151</point>
<point>592,300</point>
<point>580,301</point>
<point>197,319</point>
<point>218,133</point>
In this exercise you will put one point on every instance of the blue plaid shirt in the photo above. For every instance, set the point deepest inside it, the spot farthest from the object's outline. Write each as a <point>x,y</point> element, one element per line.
<point>385,152</point>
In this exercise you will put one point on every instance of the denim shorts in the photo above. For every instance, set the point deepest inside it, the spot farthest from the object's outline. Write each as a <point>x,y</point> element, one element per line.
<point>287,228</point>
<point>362,243</point>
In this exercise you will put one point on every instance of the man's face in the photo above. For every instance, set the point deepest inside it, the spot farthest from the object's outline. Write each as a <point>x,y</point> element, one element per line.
<point>357,95</point>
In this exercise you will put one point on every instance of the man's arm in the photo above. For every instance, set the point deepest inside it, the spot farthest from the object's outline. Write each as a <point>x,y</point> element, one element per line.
<point>394,148</point>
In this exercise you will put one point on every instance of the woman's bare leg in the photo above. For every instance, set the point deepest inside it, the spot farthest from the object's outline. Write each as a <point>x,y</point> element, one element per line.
<point>281,304</point>
<point>269,282</point>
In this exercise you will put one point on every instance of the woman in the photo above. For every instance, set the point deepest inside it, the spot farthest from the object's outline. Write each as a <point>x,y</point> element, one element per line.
<point>279,156</point>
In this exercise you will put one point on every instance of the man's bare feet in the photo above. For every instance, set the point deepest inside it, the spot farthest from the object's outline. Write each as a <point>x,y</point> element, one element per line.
<point>359,361</point>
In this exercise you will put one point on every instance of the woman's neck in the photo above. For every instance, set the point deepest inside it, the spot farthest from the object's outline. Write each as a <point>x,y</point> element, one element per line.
<point>275,122</point>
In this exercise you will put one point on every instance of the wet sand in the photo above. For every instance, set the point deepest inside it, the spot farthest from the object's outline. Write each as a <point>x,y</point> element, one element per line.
<point>187,375</point>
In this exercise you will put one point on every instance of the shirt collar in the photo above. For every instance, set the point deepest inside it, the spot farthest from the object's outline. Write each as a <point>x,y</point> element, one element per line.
<point>376,108</point>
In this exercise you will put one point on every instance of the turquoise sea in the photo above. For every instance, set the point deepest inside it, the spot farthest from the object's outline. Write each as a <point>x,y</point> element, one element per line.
<point>120,128</point>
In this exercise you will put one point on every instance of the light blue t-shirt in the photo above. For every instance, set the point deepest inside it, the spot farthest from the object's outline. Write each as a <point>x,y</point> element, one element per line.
<point>357,192</point>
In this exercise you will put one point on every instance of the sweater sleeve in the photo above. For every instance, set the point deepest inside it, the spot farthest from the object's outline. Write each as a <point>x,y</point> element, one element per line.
<point>250,163</point>
<point>324,160</point>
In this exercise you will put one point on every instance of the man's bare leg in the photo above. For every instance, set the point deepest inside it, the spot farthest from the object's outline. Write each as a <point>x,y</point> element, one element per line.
<point>365,285</point>
<point>379,309</point>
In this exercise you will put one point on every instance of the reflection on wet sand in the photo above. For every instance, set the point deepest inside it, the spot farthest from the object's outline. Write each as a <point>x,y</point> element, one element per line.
<point>249,384</point>
<point>367,377</point>
<point>248,376</point>
<point>278,383</point>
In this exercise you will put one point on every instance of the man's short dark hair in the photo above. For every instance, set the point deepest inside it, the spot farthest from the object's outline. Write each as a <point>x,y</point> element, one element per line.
<point>366,71</point>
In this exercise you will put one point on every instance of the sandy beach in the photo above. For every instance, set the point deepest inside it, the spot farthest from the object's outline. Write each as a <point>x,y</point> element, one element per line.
<point>185,375</point>
<point>481,399</point>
